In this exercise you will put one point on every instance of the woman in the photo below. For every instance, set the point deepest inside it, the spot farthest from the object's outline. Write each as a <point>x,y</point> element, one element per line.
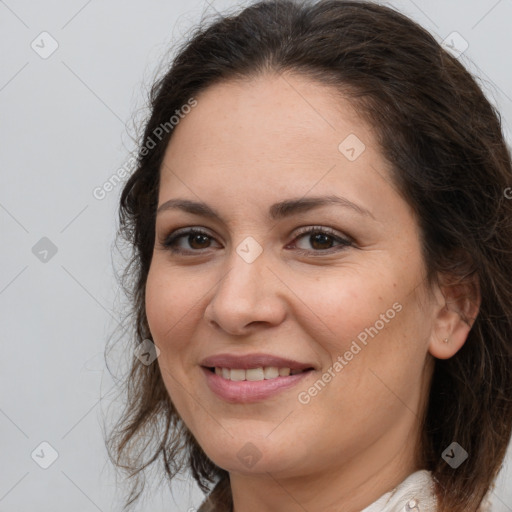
<point>322,252</point>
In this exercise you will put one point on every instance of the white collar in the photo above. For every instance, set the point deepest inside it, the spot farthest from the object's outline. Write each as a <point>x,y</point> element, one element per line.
<point>414,494</point>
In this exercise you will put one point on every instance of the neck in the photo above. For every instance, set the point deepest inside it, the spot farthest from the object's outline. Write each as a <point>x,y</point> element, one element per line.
<point>349,487</point>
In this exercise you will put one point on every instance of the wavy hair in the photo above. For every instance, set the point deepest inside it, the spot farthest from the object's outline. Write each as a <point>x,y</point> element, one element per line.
<point>450,162</point>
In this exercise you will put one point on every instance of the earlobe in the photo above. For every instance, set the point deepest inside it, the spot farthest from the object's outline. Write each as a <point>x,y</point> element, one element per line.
<point>459,306</point>
<point>456,330</point>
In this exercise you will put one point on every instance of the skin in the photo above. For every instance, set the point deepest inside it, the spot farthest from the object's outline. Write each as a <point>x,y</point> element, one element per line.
<point>245,146</point>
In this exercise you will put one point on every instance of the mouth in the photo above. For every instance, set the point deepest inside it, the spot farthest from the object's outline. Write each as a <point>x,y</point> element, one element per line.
<point>246,378</point>
<point>255,374</point>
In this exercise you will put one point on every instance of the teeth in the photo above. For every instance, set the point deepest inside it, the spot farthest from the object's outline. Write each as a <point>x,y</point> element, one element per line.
<point>237,374</point>
<point>255,374</point>
<point>271,372</point>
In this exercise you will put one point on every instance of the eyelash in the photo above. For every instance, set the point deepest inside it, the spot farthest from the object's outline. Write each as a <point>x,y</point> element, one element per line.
<point>170,241</point>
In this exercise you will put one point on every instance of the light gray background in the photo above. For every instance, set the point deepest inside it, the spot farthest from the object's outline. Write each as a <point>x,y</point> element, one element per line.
<point>65,129</point>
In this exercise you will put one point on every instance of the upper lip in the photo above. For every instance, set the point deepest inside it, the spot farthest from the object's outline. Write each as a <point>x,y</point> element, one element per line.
<point>245,362</point>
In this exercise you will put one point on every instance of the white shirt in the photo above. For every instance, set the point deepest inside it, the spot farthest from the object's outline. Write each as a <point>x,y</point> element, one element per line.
<point>414,494</point>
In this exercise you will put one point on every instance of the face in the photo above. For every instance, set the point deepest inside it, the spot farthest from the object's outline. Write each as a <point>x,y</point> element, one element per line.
<point>334,288</point>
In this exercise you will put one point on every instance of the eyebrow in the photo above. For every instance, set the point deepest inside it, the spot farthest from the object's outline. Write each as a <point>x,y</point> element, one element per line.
<point>277,211</point>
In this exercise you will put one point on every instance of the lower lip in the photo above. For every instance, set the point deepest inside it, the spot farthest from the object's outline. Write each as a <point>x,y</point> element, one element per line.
<point>246,391</point>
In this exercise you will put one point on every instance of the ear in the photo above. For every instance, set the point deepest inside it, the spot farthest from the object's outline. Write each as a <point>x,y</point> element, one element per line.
<point>458,303</point>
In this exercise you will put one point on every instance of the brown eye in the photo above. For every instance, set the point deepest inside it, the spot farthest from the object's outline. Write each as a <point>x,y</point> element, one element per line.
<point>322,240</point>
<point>198,239</point>
<point>195,240</point>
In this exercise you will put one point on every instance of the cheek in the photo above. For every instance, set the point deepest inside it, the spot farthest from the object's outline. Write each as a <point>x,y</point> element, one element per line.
<point>383,359</point>
<point>169,313</point>
<point>341,307</point>
<point>168,302</point>
<point>373,321</point>
<point>157,304</point>
<point>174,310</point>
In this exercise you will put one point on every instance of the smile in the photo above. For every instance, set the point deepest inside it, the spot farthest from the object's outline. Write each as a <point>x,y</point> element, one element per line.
<point>251,385</point>
<point>254,374</point>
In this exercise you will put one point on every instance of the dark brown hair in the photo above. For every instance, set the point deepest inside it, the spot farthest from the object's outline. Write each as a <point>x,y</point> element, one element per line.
<point>450,162</point>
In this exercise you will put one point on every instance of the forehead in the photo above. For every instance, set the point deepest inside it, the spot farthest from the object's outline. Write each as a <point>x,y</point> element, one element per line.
<point>272,124</point>
<point>249,146</point>
<point>276,108</point>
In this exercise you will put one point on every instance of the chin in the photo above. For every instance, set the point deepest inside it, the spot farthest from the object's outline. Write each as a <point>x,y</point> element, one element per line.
<point>250,457</point>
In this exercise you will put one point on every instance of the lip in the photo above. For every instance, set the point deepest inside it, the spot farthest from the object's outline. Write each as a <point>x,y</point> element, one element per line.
<point>246,391</point>
<point>245,362</point>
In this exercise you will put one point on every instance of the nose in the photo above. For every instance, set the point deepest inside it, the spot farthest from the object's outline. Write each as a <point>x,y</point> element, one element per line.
<point>248,295</point>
